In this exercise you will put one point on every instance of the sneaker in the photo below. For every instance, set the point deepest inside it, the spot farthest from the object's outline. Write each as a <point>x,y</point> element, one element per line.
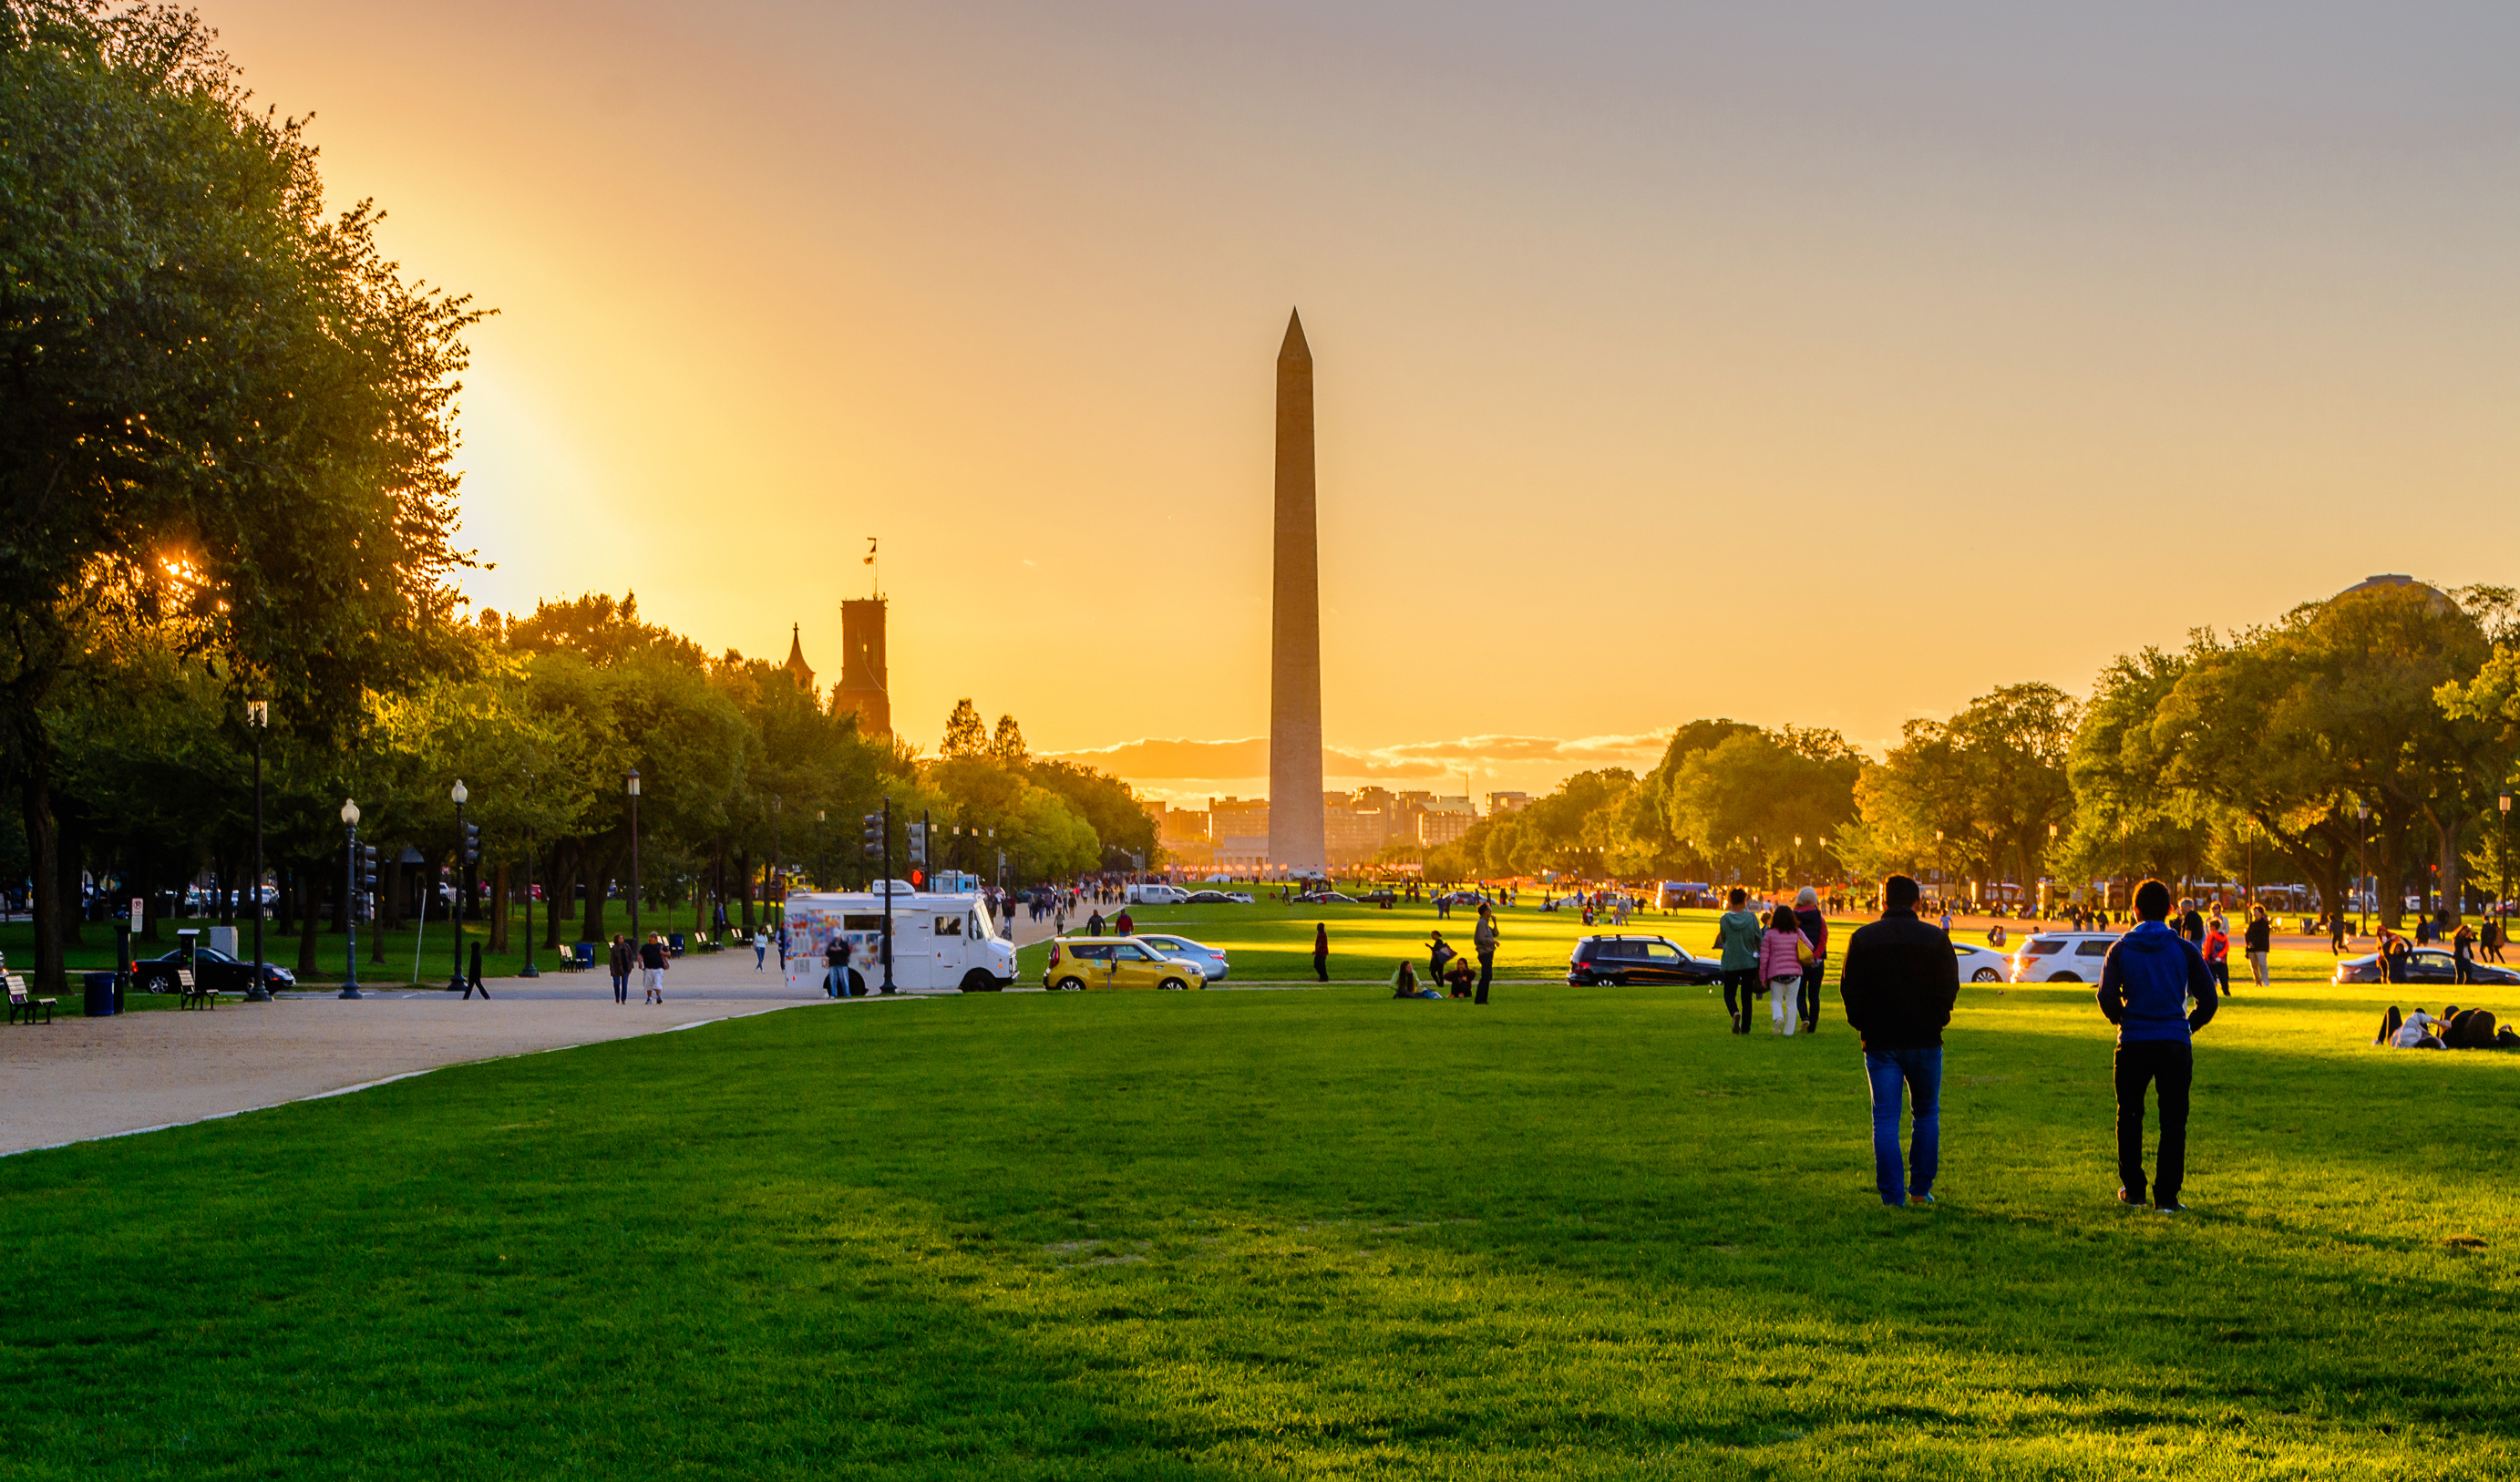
<point>2173,1207</point>
<point>2129,1202</point>
<point>1915,1199</point>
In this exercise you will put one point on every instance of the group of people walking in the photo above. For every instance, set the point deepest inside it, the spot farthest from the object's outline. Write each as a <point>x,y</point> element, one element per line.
<point>1783,958</point>
<point>649,958</point>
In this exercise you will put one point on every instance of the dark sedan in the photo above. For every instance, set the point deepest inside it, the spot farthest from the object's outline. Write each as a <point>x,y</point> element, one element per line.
<point>212,969</point>
<point>2424,965</point>
<point>1637,959</point>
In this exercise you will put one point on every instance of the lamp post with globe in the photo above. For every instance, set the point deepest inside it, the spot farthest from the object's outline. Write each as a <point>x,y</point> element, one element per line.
<point>631,784</point>
<point>349,896</point>
<point>257,719</point>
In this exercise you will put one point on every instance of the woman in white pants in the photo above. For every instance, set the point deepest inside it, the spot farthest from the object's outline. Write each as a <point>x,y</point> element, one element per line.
<point>1784,954</point>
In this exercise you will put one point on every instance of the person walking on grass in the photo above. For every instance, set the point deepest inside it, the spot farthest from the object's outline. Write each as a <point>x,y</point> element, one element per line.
<point>1784,955</point>
<point>1736,940</point>
<point>620,965</point>
<point>2216,948</point>
<point>1483,941</point>
<point>1439,955</point>
<point>1322,950</point>
<point>652,964</point>
<point>1898,983</point>
<point>2146,983</point>
<point>2259,940</point>
<point>1815,973</point>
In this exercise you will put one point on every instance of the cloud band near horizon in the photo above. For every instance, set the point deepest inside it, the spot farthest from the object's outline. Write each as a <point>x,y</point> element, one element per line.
<point>1161,760</point>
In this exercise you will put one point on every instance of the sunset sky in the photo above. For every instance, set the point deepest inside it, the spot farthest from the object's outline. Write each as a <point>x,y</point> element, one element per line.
<point>1824,363</point>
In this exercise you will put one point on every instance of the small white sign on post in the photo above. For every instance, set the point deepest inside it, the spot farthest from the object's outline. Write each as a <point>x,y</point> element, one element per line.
<point>139,908</point>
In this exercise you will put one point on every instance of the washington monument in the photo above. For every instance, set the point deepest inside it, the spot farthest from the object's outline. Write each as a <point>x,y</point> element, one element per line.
<point>1295,834</point>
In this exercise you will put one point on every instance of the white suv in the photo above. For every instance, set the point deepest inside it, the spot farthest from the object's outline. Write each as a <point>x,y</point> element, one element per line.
<point>2062,957</point>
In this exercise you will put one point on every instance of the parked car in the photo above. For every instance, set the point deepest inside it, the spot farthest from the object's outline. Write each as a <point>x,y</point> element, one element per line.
<point>212,969</point>
<point>2424,965</point>
<point>1216,898</point>
<point>1637,959</point>
<point>2059,957</point>
<point>1324,898</point>
<point>1210,960</point>
<point>1115,962</point>
<point>1151,893</point>
<point>1982,965</point>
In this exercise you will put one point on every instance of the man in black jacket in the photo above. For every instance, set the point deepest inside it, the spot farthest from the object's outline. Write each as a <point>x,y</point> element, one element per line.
<point>1899,982</point>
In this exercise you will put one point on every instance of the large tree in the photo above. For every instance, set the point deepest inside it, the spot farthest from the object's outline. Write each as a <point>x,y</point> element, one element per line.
<point>220,407</point>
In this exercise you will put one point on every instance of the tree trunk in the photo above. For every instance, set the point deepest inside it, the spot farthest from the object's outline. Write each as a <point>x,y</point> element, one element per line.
<point>2453,899</point>
<point>71,850</point>
<point>499,907</point>
<point>743,872</point>
<point>43,848</point>
<point>556,892</point>
<point>309,917</point>
<point>599,885</point>
<point>389,889</point>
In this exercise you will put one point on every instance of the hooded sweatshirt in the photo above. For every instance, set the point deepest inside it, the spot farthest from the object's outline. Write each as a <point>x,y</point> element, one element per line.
<point>1737,933</point>
<point>2145,984</point>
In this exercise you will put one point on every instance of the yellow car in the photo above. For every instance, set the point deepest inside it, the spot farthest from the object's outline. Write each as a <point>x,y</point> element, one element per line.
<point>1116,962</point>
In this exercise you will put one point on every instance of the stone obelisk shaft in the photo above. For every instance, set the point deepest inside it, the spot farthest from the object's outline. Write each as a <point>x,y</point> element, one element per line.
<point>1295,831</point>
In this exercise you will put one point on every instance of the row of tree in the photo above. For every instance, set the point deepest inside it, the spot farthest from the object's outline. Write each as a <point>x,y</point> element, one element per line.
<point>226,441</point>
<point>2374,730</point>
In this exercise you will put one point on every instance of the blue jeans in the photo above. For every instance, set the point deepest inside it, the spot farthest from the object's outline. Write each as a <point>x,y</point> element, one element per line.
<point>1922,1071</point>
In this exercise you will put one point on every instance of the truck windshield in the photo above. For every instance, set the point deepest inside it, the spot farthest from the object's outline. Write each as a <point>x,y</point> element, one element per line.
<point>981,925</point>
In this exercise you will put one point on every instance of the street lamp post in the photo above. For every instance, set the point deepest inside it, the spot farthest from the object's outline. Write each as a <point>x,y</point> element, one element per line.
<point>459,794</point>
<point>776,875</point>
<point>821,849</point>
<point>2502,905</point>
<point>632,783</point>
<point>349,900</point>
<point>257,719</point>
<point>530,969</point>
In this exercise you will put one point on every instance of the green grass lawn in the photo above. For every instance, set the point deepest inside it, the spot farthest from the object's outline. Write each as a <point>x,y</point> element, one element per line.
<point>1580,1232</point>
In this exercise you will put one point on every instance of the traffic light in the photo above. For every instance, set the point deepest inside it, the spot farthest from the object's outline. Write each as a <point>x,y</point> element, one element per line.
<point>367,867</point>
<point>471,843</point>
<point>918,847</point>
<point>874,835</point>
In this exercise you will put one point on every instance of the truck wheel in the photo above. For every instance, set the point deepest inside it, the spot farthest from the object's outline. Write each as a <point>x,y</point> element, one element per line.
<point>1986,975</point>
<point>1069,985</point>
<point>2064,977</point>
<point>978,980</point>
<point>1173,985</point>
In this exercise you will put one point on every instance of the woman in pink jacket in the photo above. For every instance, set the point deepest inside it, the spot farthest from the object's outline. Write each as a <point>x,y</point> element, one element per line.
<point>1784,954</point>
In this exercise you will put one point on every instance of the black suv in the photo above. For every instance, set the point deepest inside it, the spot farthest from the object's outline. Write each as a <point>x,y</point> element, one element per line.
<point>1637,959</point>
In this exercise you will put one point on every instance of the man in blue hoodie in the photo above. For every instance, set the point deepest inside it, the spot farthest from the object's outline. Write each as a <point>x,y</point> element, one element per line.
<point>2145,985</point>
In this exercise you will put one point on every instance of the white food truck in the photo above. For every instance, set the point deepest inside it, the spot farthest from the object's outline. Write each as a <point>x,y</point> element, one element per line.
<point>940,943</point>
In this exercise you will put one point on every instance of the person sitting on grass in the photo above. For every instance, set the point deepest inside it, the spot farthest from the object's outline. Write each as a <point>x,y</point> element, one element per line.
<point>1461,976</point>
<point>1404,984</point>
<point>1439,951</point>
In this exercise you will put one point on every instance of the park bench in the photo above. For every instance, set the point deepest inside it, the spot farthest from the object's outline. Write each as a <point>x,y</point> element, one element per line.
<point>23,1001</point>
<point>193,995</point>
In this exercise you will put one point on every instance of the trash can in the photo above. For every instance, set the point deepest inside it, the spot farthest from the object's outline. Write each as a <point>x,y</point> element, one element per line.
<point>102,1000</point>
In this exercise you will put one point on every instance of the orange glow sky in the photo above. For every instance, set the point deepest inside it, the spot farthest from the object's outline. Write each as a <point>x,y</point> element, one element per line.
<point>1825,363</point>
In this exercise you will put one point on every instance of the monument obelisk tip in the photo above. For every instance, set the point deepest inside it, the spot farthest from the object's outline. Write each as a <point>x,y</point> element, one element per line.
<point>1294,348</point>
